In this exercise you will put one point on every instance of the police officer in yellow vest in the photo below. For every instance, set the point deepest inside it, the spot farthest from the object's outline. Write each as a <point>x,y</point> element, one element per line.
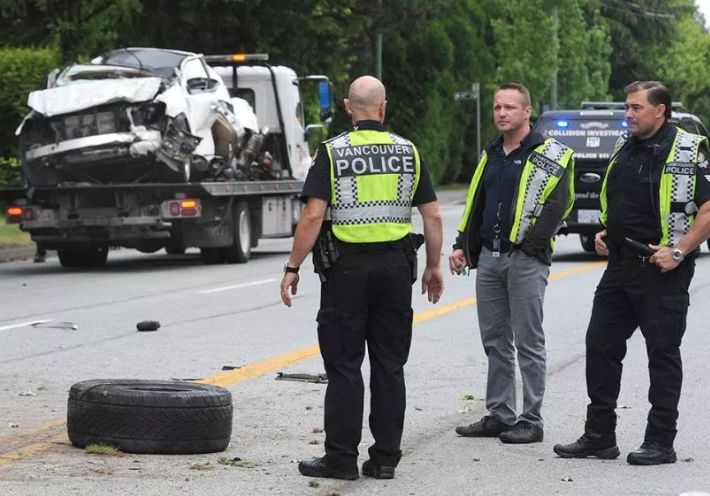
<point>519,195</point>
<point>655,213</point>
<point>369,180</point>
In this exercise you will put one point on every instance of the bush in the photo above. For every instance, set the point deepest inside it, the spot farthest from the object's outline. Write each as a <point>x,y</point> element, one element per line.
<point>23,70</point>
<point>10,172</point>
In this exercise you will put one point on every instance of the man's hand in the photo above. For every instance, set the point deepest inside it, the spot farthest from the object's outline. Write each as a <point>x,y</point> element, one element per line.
<point>663,258</point>
<point>290,280</point>
<point>599,244</point>
<point>433,283</point>
<point>457,261</point>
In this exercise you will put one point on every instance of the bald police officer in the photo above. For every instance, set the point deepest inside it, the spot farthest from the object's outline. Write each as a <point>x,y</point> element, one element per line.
<point>368,180</point>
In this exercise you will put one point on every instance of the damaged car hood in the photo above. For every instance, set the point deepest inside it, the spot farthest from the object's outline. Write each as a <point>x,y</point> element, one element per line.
<point>82,95</point>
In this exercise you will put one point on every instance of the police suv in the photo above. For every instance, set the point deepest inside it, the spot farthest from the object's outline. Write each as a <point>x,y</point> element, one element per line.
<point>591,132</point>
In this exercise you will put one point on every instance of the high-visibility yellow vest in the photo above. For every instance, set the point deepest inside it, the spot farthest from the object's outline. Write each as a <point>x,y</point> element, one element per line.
<point>373,176</point>
<point>541,173</point>
<point>676,190</point>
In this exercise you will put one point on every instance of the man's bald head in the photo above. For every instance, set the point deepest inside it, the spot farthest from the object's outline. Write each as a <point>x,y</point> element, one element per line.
<point>366,99</point>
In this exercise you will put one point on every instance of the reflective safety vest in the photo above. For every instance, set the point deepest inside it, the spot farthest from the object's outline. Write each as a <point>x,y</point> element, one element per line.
<point>541,173</point>
<point>676,190</point>
<point>373,176</point>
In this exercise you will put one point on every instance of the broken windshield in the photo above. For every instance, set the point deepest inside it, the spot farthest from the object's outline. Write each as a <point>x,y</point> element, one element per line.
<point>160,62</point>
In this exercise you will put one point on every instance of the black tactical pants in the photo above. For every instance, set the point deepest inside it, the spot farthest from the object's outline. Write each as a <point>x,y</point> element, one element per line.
<point>366,299</point>
<point>634,294</point>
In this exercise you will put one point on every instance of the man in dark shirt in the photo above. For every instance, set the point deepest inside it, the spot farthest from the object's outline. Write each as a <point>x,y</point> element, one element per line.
<point>656,193</point>
<point>369,180</point>
<point>517,199</point>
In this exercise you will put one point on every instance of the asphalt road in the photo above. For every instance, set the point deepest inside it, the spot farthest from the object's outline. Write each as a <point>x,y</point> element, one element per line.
<point>231,315</point>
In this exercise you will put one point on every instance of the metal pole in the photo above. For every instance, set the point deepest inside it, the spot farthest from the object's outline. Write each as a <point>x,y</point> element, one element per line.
<point>476,88</point>
<point>378,44</point>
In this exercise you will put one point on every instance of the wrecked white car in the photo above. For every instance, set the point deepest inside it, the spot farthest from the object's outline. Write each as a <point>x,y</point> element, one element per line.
<point>136,115</point>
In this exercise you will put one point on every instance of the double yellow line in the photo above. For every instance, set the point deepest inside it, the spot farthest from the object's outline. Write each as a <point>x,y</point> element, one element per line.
<point>43,437</point>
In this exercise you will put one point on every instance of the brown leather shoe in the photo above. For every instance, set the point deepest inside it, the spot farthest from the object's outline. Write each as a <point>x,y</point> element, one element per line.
<point>488,426</point>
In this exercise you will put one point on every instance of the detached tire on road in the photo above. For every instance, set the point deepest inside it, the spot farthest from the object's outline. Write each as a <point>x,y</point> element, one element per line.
<point>159,417</point>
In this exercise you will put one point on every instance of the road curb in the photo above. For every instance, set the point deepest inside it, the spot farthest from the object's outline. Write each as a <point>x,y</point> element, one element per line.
<point>16,253</point>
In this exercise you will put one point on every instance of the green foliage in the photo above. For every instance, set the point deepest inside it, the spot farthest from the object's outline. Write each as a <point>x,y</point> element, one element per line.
<point>431,49</point>
<point>10,172</point>
<point>23,70</point>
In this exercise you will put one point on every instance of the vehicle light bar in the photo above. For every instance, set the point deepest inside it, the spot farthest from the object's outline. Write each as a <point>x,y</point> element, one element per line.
<point>236,57</point>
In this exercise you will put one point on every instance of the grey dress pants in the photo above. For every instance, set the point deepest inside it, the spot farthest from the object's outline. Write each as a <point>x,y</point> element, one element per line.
<point>510,290</point>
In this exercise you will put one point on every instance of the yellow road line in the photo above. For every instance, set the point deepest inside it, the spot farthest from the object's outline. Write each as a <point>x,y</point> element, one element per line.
<point>251,371</point>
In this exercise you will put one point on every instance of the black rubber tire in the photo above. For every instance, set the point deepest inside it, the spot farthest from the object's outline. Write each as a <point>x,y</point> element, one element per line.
<point>240,251</point>
<point>587,241</point>
<point>173,248</point>
<point>708,243</point>
<point>212,255</point>
<point>139,416</point>
<point>93,256</point>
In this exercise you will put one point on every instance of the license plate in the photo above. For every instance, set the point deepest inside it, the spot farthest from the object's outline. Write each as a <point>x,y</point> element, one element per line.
<point>588,216</point>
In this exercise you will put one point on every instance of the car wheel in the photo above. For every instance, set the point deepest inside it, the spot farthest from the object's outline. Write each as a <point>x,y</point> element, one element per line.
<point>93,256</point>
<point>240,251</point>
<point>139,416</point>
<point>587,242</point>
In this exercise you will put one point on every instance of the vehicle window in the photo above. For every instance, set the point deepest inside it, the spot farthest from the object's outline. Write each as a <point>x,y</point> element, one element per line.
<point>158,61</point>
<point>245,93</point>
<point>590,138</point>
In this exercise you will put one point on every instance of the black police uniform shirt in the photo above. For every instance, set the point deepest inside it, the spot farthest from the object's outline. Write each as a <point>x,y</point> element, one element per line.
<point>633,186</point>
<point>500,182</point>
<point>318,184</point>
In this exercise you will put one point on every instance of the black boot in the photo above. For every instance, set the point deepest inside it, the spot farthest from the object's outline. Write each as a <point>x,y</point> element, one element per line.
<point>590,444</point>
<point>488,426</point>
<point>652,454</point>
<point>320,467</point>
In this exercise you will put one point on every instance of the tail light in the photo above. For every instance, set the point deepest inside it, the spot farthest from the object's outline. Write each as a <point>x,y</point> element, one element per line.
<point>186,207</point>
<point>16,214</point>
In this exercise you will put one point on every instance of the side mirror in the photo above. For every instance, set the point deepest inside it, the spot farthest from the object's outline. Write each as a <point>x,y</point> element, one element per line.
<point>325,97</point>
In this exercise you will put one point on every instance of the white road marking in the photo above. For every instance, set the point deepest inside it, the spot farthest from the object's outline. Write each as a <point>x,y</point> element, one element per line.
<point>236,286</point>
<point>24,324</point>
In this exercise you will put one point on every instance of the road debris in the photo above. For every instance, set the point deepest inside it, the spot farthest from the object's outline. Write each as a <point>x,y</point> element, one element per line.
<point>314,378</point>
<point>231,367</point>
<point>13,425</point>
<point>201,466</point>
<point>148,325</point>
<point>50,324</point>
<point>567,479</point>
<point>101,449</point>
<point>237,462</point>
<point>313,483</point>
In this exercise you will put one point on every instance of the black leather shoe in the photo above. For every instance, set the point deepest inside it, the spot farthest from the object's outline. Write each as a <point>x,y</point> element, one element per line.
<point>601,446</point>
<point>319,467</point>
<point>488,426</point>
<point>652,454</point>
<point>377,471</point>
<point>522,433</point>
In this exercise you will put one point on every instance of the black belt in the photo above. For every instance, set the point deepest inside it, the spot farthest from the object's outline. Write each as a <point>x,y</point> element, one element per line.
<point>347,248</point>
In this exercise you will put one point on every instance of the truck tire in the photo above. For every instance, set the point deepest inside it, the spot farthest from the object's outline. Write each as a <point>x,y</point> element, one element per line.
<point>174,248</point>
<point>240,251</point>
<point>211,256</point>
<point>587,242</point>
<point>138,416</point>
<point>93,256</point>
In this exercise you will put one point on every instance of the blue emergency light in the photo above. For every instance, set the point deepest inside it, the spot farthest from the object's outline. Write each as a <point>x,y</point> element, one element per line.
<point>624,124</point>
<point>562,124</point>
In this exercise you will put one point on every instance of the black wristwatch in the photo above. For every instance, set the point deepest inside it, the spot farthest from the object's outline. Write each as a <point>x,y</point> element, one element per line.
<point>293,270</point>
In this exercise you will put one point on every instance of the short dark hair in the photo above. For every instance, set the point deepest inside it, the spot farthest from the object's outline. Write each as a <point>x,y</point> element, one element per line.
<point>518,87</point>
<point>658,93</point>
